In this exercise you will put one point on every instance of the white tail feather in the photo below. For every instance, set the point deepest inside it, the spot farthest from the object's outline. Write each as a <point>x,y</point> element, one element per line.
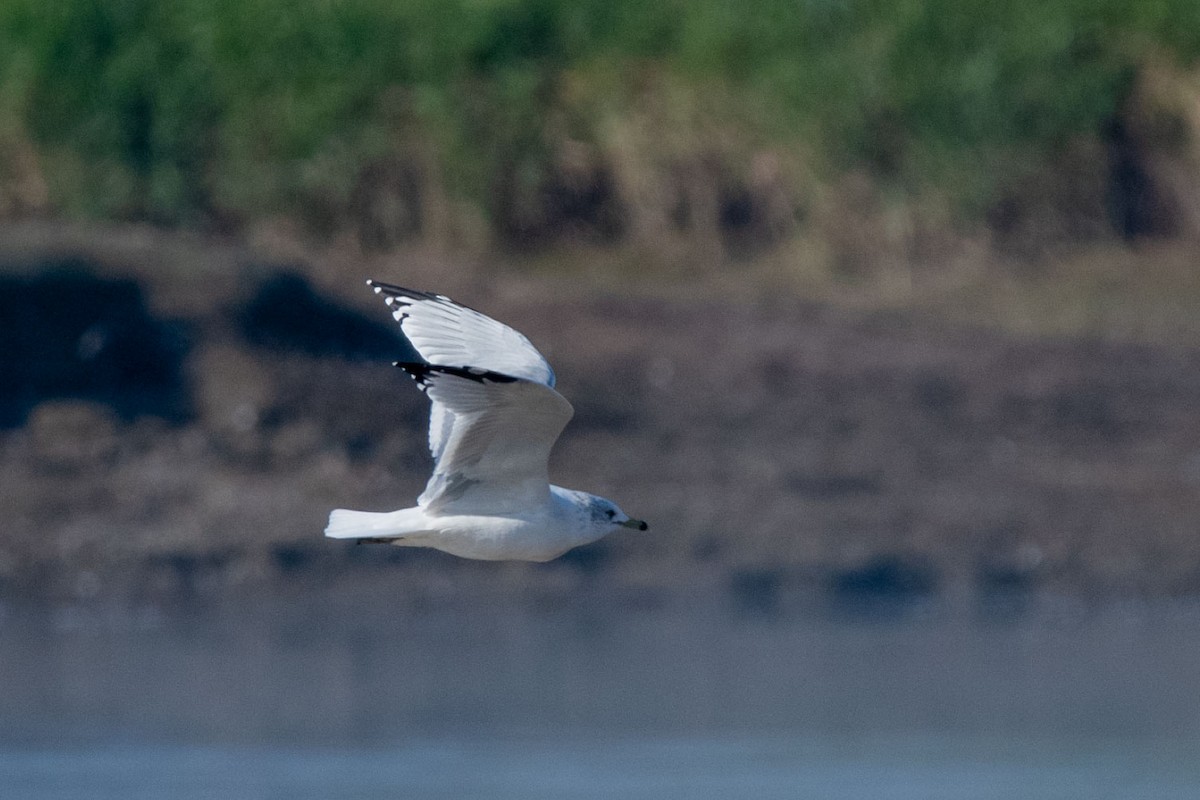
<point>346,524</point>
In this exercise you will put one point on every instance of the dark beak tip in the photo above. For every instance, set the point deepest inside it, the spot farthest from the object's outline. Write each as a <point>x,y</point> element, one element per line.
<point>643,527</point>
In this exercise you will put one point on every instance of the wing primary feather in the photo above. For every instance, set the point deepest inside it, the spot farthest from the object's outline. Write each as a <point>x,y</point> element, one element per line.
<point>447,333</point>
<point>423,373</point>
<point>392,293</point>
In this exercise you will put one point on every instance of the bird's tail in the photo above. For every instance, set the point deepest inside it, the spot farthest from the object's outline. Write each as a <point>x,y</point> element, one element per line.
<point>346,524</point>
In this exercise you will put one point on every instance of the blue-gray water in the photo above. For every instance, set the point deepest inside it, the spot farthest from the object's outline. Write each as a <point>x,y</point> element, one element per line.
<point>348,702</point>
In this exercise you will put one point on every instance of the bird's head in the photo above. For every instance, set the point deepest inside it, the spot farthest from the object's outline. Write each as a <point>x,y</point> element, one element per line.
<point>605,512</point>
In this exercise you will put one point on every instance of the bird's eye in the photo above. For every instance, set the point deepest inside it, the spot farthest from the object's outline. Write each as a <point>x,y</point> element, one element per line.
<point>610,513</point>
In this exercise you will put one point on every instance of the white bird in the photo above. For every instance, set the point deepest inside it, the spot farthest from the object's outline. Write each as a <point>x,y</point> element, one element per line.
<point>494,418</point>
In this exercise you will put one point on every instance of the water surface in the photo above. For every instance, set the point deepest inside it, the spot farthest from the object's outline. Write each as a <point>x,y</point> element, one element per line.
<point>593,701</point>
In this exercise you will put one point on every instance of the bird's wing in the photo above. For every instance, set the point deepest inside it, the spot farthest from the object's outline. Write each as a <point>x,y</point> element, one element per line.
<point>450,335</point>
<point>496,443</point>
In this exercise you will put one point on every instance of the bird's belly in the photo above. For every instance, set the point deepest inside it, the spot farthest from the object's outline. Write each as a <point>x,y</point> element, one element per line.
<point>498,539</point>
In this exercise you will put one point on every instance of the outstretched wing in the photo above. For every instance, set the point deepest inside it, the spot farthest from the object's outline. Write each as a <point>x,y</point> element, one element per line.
<point>497,442</point>
<point>449,335</point>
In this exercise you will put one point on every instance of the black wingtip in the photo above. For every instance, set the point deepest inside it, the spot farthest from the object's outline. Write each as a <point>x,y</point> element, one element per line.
<point>421,372</point>
<point>393,294</point>
<point>417,370</point>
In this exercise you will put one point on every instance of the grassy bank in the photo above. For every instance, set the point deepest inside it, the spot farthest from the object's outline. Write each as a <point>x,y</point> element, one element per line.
<point>606,119</point>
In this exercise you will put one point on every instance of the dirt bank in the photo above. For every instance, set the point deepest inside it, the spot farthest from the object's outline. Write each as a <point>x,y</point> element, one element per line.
<point>782,451</point>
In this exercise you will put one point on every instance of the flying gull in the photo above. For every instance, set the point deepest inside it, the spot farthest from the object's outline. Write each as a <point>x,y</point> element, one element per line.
<point>494,418</point>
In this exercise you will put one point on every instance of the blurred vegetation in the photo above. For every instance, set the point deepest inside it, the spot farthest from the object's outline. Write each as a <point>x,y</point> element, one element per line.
<point>221,111</point>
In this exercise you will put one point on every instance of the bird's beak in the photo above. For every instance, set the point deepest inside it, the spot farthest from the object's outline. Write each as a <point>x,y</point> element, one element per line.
<point>635,524</point>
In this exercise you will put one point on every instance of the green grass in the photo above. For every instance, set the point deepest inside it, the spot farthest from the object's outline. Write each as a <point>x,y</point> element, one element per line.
<point>194,110</point>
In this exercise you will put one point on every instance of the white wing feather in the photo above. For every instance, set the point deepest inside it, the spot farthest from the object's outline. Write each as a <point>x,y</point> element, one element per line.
<point>451,335</point>
<point>493,457</point>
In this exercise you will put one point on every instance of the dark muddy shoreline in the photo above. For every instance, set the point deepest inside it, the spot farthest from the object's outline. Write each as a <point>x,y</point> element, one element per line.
<point>785,453</point>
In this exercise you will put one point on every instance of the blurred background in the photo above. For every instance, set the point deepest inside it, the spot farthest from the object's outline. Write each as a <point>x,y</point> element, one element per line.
<point>885,316</point>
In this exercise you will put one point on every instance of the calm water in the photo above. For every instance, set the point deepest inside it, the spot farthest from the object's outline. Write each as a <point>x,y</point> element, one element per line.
<point>345,702</point>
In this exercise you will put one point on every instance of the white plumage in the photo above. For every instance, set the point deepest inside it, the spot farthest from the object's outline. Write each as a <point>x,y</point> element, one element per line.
<point>494,418</point>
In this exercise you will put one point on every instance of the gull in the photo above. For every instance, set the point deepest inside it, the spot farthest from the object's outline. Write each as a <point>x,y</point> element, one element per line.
<point>493,420</point>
